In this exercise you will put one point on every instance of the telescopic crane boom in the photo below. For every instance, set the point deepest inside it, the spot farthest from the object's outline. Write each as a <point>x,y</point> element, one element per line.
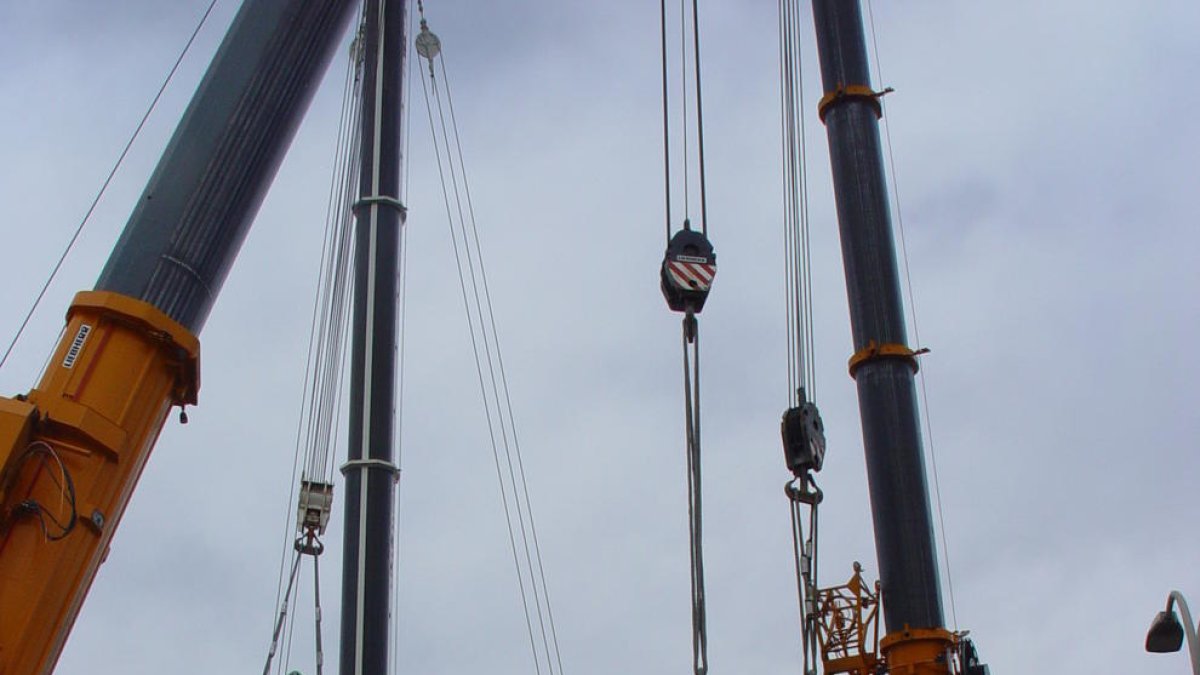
<point>883,365</point>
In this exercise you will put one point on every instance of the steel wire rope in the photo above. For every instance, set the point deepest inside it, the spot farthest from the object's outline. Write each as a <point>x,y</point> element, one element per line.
<point>787,130</point>
<point>797,249</point>
<point>798,563</point>
<point>507,407</point>
<point>337,292</point>
<point>912,304</point>
<point>805,560</point>
<point>691,386</point>
<point>806,248</point>
<point>690,326</point>
<point>666,116</point>
<point>281,618</point>
<point>107,180</point>
<point>317,613</point>
<point>699,117</point>
<point>479,369</point>
<point>329,336</point>
<point>304,418</point>
<point>333,377</point>
<point>801,341</point>
<point>486,318</point>
<point>683,76</point>
<point>328,328</point>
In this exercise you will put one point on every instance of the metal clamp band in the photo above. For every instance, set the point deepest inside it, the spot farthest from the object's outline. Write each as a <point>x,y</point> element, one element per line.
<point>918,650</point>
<point>371,464</point>
<point>874,350</point>
<point>385,201</point>
<point>859,91</point>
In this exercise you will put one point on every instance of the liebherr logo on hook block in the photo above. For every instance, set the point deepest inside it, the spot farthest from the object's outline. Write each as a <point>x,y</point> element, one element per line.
<point>692,273</point>
<point>76,346</point>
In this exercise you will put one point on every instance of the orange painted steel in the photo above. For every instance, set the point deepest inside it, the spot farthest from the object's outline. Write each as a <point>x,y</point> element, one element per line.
<point>91,422</point>
<point>918,651</point>
<point>847,622</point>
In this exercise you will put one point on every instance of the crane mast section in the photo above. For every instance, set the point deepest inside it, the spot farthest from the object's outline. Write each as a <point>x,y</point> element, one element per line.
<point>71,450</point>
<point>883,366</point>
<point>370,471</point>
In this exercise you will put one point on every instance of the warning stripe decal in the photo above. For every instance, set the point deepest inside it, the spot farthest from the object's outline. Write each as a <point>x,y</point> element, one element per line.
<point>694,276</point>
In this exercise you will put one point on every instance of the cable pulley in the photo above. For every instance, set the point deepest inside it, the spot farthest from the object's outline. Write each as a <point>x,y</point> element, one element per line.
<point>688,269</point>
<point>427,44</point>
<point>803,438</point>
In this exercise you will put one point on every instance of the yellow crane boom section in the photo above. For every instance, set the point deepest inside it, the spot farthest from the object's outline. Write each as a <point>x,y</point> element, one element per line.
<point>71,453</point>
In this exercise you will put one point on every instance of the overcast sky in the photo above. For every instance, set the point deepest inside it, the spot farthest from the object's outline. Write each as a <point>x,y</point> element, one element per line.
<point>1045,152</point>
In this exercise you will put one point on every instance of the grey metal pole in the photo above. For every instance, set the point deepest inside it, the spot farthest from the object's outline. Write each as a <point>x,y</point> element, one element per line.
<point>370,470</point>
<point>191,220</point>
<point>883,373</point>
<point>1189,629</point>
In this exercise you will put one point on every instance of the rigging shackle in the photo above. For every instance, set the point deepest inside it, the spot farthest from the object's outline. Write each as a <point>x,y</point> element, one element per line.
<point>688,269</point>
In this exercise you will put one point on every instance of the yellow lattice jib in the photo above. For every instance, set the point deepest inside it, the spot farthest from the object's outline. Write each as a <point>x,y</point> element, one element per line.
<point>847,619</point>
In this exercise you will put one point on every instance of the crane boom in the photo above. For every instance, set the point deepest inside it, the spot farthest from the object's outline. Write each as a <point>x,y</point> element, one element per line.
<point>883,365</point>
<point>370,470</point>
<point>71,450</point>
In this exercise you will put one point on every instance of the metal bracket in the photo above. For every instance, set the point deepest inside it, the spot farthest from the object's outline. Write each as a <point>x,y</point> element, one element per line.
<point>384,200</point>
<point>371,464</point>
<point>859,91</point>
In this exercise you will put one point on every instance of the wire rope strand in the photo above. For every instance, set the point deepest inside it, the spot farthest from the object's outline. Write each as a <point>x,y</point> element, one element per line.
<point>786,131</point>
<point>912,304</point>
<point>797,249</point>
<point>814,559</point>
<point>478,304</point>
<point>490,370</point>
<point>684,111</point>
<point>483,390</point>
<point>666,117</point>
<point>305,421</point>
<point>107,180</point>
<point>797,557</point>
<point>784,201</point>
<point>699,117</point>
<point>286,661</point>
<point>324,379</point>
<point>317,612</point>
<point>283,613</point>
<point>811,383</point>
<point>801,368</point>
<point>505,405</point>
<point>691,385</point>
